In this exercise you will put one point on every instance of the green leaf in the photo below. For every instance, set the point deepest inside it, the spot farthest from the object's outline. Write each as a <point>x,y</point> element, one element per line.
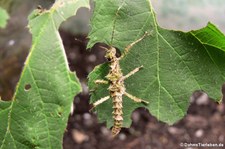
<point>3,18</point>
<point>175,63</point>
<point>38,114</point>
<point>210,36</point>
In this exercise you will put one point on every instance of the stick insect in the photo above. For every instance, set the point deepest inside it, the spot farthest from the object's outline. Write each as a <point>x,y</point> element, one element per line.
<point>117,89</point>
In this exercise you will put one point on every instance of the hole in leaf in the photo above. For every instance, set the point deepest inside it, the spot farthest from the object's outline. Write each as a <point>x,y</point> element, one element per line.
<point>27,87</point>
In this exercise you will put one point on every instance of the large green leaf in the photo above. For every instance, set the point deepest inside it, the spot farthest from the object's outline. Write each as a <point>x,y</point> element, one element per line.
<point>38,114</point>
<point>3,17</point>
<point>175,63</point>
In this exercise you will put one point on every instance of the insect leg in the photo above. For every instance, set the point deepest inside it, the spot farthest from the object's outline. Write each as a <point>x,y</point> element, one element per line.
<point>98,102</point>
<point>135,98</point>
<point>101,82</point>
<point>133,43</point>
<point>132,72</point>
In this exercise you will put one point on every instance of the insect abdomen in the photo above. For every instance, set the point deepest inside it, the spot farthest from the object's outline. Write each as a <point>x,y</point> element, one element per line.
<point>117,114</point>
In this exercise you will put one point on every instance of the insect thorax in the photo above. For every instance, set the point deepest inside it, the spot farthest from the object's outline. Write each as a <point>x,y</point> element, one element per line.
<point>115,74</point>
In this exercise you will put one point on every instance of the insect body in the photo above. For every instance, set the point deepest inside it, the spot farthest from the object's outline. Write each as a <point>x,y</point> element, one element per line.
<point>117,88</point>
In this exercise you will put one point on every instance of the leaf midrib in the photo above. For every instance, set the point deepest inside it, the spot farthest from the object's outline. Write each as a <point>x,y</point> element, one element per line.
<point>158,67</point>
<point>27,62</point>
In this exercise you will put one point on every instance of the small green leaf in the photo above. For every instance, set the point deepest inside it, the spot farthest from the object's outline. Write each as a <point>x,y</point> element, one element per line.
<point>3,18</point>
<point>210,36</point>
<point>38,114</point>
<point>175,63</point>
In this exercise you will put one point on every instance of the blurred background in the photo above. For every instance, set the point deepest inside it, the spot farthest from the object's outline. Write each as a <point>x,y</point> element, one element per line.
<point>204,122</point>
<point>190,14</point>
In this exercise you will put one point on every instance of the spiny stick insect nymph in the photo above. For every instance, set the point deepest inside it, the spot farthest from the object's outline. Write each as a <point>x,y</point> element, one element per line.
<point>117,89</point>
